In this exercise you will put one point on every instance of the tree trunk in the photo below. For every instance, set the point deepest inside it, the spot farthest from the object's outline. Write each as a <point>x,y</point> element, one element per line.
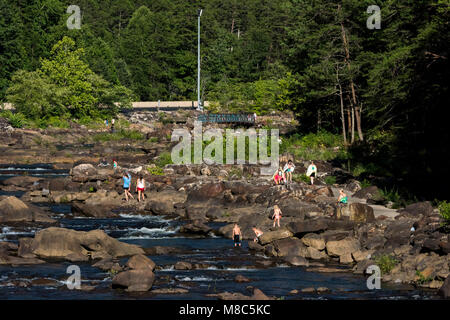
<point>342,106</point>
<point>355,109</point>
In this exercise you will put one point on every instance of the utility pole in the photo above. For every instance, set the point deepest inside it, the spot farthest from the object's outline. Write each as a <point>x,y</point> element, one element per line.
<point>199,105</point>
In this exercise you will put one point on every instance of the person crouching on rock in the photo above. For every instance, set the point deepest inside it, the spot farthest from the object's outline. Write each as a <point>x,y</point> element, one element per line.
<point>343,199</point>
<point>279,176</point>
<point>288,171</point>
<point>276,215</point>
<point>140,188</point>
<point>258,234</point>
<point>127,185</point>
<point>237,235</point>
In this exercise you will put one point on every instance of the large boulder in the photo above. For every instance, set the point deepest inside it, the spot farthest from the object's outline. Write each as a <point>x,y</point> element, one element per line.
<point>419,208</point>
<point>60,243</point>
<point>444,291</point>
<point>293,207</point>
<point>290,247</point>
<point>87,210</point>
<point>270,236</point>
<point>196,227</point>
<point>83,172</point>
<point>140,261</point>
<point>21,181</point>
<point>314,240</point>
<point>367,193</point>
<point>344,247</point>
<point>136,280</point>
<point>302,227</point>
<point>357,212</point>
<point>206,192</point>
<point>13,210</point>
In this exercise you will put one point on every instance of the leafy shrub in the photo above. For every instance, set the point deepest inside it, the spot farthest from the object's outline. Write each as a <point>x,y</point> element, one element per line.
<point>164,159</point>
<point>301,178</point>
<point>444,210</point>
<point>330,179</point>
<point>156,171</point>
<point>386,263</point>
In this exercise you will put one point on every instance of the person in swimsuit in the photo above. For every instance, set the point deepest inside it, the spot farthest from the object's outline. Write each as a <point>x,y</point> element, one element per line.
<point>258,234</point>
<point>276,215</point>
<point>114,164</point>
<point>343,199</point>
<point>127,185</point>
<point>140,188</point>
<point>279,176</point>
<point>288,171</point>
<point>237,235</point>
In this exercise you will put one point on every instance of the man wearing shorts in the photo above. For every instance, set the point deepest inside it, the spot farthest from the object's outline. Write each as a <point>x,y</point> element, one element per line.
<point>237,235</point>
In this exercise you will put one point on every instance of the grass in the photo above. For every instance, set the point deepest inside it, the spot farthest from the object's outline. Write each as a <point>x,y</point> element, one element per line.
<point>386,263</point>
<point>118,135</point>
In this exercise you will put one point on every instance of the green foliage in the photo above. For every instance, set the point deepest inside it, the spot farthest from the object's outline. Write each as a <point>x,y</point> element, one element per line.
<point>386,263</point>
<point>444,210</point>
<point>118,135</point>
<point>320,146</point>
<point>301,178</point>
<point>156,171</point>
<point>422,279</point>
<point>164,159</point>
<point>17,120</point>
<point>330,180</point>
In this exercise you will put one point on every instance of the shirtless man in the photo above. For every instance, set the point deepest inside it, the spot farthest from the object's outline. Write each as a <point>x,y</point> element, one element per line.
<point>237,235</point>
<point>258,234</point>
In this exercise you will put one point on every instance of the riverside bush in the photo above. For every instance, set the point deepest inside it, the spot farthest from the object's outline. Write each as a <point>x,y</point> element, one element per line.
<point>444,210</point>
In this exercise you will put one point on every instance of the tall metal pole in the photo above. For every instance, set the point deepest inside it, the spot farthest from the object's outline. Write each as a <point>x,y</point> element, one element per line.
<point>199,106</point>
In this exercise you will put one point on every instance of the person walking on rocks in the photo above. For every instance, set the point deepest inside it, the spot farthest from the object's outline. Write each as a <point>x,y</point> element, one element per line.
<point>288,171</point>
<point>127,185</point>
<point>276,215</point>
<point>258,234</point>
<point>140,188</point>
<point>311,172</point>
<point>237,235</point>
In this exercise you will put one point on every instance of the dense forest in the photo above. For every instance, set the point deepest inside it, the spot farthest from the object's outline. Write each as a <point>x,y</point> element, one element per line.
<point>383,90</point>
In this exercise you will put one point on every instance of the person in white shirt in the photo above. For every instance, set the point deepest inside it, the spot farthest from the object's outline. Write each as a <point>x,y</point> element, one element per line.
<point>140,188</point>
<point>312,172</point>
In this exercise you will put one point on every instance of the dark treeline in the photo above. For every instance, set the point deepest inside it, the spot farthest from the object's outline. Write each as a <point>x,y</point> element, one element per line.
<point>384,90</point>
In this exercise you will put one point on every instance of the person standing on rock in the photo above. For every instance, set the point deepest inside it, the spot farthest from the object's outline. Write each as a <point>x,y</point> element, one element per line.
<point>276,215</point>
<point>237,235</point>
<point>127,185</point>
<point>140,188</point>
<point>258,234</point>
<point>288,171</point>
<point>311,172</point>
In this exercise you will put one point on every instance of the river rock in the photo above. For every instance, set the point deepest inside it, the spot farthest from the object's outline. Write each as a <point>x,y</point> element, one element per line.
<point>140,261</point>
<point>357,212</point>
<point>139,280</point>
<point>297,261</point>
<point>315,254</point>
<point>196,227</point>
<point>13,210</point>
<point>314,240</point>
<point>271,236</point>
<point>342,247</point>
<point>21,181</point>
<point>290,247</point>
<point>206,192</point>
<point>367,193</point>
<point>87,210</point>
<point>302,227</point>
<point>183,265</point>
<point>419,208</point>
<point>67,244</point>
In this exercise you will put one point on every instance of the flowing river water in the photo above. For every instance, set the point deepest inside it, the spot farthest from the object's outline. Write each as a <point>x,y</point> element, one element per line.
<point>223,260</point>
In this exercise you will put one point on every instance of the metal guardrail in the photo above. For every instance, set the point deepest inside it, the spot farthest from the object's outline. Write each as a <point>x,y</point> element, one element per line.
<point>227,118</point>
